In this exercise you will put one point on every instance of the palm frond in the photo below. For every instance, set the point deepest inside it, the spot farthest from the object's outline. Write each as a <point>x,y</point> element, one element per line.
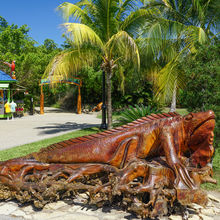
<point>86,3</point>
<point>202,37</point>
<point>137,19</point>
<point>200,9</point>
<point>125,7</point>
<point>68,63</point>
<point>154,38</point>
<point>193,35</point>
<point>158,34</point>
<point>69,10</point>
<point>169,76</point>
<point>125,46</point>
<point>104,17</point>
<point>80,34</point>
<point>167,4</point>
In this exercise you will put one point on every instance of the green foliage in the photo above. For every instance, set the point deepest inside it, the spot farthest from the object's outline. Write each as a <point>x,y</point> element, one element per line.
<point>32,65</point>
<point>172,34</point>
<point>3,23</point>
<point>100,30</point>
<point>92,85</point>
<point>14,44</point>
<point>136,112</point>
<point>31,60</point>
<point>49,45</point>
<point>202,91</point>
<point>137,90</point>
<point>140,95</point>
<point>14,40</point>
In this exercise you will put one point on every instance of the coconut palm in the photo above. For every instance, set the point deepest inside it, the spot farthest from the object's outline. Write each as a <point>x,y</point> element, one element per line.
<point>103,29</point>
<point>173,34</point>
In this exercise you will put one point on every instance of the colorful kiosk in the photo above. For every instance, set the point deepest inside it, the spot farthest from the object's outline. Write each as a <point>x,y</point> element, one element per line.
<point>54,80</point>
<point>5,90</point>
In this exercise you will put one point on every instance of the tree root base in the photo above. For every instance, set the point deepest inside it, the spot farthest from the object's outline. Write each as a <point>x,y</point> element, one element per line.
<point>150,193</point>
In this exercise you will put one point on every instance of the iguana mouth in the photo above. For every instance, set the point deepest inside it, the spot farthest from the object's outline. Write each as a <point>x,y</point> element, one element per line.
<point>202,123</point>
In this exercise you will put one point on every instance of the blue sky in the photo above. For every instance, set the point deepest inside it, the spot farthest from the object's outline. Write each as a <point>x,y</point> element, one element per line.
<point>40,16</point>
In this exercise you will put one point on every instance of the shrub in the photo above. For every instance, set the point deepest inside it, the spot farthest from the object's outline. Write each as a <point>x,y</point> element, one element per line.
<point>202,90</point>
<point>135,112</point>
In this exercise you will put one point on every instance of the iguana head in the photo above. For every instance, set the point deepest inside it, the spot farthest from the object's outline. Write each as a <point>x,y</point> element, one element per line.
<point>199,129</point>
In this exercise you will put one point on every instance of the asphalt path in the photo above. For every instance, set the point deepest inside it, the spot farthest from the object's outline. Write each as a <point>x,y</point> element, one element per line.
<point>31,128</point>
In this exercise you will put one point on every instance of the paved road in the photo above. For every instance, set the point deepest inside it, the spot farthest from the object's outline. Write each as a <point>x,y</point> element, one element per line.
<point>36,127</point>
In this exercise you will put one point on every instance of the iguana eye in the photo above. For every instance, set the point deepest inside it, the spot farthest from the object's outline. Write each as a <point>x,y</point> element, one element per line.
<point>189,117</point>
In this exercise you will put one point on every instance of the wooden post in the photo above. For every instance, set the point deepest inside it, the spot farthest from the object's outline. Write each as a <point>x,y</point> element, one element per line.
<point>41,100</point>
<point>79,108</point>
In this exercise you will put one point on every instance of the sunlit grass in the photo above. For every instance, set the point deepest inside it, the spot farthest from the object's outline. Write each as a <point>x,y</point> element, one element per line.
<point>181,111</point>
<point>210,186</point>
<point>23,150</point>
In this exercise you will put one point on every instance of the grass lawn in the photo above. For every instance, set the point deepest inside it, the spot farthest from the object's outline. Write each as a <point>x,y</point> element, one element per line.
<point>216,168</point>
<point>23,150</point>
<point>181,111</point>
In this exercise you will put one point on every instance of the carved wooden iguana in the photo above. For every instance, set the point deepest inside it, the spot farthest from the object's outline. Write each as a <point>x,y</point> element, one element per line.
<point>116,150</point>
<point>169,135</point>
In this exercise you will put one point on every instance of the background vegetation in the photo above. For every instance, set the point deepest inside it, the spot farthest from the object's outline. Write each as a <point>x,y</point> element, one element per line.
<point>177,50</point>
<point>156,53</point>
<point>177,44</point>
<point>202,91</point>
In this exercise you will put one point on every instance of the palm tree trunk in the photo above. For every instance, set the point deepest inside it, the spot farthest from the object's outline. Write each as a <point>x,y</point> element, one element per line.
<point>173,104</point>
<point>109,99</point>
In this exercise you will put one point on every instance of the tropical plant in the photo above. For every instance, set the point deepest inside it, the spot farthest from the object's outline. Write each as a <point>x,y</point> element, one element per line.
<point>171,35</point>
<point>92,85</point>
<point>135,112</point>
<point>202,91</point>
<point>3,23</point>
<point>100,29</point>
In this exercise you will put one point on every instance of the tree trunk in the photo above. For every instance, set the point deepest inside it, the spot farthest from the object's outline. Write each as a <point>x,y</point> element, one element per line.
<point>109,100</point>
<point>173,104</point>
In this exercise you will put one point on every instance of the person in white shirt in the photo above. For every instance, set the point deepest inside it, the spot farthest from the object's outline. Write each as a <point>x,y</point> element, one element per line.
<point>13,106</point>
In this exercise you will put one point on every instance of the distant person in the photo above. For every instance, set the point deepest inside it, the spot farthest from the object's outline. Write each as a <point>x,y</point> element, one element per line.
<point>7,109</point>
<point>13,106</point>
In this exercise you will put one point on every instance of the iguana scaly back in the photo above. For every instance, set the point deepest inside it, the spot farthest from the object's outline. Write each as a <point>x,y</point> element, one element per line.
<point>109,146</point>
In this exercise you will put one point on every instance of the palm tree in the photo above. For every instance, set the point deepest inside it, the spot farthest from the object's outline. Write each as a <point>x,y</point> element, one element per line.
<point>172,35</point>
<point>103,29</point>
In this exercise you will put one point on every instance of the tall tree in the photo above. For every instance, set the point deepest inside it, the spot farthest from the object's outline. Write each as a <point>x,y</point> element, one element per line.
<point>100,29</point>
<point>172,35</point>
<point>3,23</point>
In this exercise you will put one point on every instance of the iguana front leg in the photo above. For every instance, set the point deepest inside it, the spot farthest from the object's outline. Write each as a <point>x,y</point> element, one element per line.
<point>170,150</point>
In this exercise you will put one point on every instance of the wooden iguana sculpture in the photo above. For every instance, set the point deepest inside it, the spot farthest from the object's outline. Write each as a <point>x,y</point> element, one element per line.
<point>129,152</point>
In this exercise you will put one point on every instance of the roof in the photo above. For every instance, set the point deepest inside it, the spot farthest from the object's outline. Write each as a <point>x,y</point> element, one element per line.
<point>5,77</point>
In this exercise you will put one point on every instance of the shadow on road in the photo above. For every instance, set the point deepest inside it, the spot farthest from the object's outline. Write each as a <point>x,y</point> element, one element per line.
<point>52,110</point>
<point>59,127</point>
